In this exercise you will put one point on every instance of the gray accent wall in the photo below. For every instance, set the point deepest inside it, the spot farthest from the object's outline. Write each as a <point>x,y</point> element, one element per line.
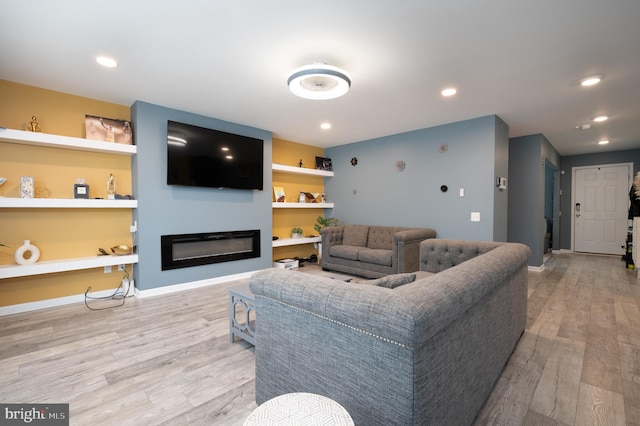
<point>501,199</point>
<point>166,210</point>
<point>376,192</point>
<point>528,156</point>
<point>571,161</point>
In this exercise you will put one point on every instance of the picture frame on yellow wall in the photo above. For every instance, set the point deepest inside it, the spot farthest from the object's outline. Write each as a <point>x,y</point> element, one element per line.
<point>278,194</point>
<point>323,163</point>
<point>108,129</point>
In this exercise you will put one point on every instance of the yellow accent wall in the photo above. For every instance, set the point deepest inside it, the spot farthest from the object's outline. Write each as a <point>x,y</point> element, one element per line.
<point>290,153</point>
<point>59,233</point>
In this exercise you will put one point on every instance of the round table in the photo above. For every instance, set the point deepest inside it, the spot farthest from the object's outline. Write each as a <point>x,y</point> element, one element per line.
<point>299,408</point>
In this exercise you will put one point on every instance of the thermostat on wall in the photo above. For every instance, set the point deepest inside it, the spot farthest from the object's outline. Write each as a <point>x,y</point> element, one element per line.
<point>501,183</point>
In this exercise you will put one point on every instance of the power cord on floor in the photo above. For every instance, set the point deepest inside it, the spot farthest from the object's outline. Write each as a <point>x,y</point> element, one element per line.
<point>118,294</point>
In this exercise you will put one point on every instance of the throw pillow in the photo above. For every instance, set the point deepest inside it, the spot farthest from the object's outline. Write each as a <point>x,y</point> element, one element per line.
<point>393,281</point>
<point>355,235</point>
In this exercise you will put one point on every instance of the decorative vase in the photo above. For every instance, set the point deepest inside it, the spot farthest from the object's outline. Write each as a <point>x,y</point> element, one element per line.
<point>295,235</point>
<point>27,247</point>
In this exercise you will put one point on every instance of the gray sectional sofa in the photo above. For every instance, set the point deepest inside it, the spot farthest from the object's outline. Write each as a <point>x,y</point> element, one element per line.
<point>424,353</point>
<point>372,251</point>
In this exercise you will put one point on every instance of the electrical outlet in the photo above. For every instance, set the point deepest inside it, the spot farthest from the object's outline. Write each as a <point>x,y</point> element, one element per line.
<point>120,267</point>
<point>475,216</point>
<point>107,269</point>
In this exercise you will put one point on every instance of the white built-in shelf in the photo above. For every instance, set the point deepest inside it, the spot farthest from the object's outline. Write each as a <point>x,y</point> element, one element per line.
<point>302,205</point>
<point>63,265</point>
<point>66,203</point>
<point>295,241</point>
<point>65,142</point>
<point>300,170</point>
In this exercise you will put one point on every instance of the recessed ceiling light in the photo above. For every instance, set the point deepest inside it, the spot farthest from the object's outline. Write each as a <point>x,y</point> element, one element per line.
<point>603,142</point>
<point>591,81</point>
<point>450,91</point>
<point>105,61</point>
<point>325,126</point>
<point>600,118</point>
<point>585,126</point>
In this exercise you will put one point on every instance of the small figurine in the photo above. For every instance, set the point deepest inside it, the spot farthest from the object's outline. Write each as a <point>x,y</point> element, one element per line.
<point>111,187</point>
<point>33,125</point>
<point>300,163</point>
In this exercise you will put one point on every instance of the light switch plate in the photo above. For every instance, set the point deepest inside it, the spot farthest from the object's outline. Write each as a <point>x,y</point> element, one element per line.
<point>475,216</point>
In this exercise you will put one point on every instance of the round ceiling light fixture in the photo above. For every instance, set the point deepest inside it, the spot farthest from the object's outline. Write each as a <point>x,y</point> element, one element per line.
<point>450,91</point>
<point>106,61</point>
<point>319,81</point>
<point>591,80</point>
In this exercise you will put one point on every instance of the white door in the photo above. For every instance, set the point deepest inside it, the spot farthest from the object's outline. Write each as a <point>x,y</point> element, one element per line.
<point>601,208</point>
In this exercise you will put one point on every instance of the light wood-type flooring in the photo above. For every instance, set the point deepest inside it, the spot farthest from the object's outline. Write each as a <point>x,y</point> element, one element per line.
<point>168,359</point>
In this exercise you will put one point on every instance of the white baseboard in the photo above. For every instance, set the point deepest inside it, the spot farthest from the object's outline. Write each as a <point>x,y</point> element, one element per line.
<point>51,303</point>
<point>536,268</point>
<point>191,285</point>
<point>79,298</point>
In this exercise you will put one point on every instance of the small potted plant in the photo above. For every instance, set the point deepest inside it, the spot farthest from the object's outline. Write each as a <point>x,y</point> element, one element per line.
<point>296,232</point>
<point>321,223</point>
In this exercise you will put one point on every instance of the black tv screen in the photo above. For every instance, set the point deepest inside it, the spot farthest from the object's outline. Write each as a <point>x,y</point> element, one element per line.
<point>210,158</point>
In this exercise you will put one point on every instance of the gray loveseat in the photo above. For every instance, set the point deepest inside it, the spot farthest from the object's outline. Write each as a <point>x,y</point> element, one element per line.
<point>372,251</point>
<point>425,353</point>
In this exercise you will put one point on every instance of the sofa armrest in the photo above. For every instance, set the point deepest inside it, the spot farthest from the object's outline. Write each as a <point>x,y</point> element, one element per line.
<point>331,236</point>
<point>406,248</point>
<point>438,255</point>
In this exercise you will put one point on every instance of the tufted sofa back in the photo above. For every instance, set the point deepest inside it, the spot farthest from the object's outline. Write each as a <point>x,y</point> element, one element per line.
<point>381,237</point>
<point>438,255</point>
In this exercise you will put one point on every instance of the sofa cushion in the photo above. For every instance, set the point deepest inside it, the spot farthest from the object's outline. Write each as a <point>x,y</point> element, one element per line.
<point>345,252</point>
<point>355,235</point>
<point>379,257</point>
<point>393,281</point>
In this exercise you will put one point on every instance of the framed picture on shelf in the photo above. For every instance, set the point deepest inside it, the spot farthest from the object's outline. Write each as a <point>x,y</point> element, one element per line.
<point>108,129</point>
<point>323,163</point>
<point>278,194</point>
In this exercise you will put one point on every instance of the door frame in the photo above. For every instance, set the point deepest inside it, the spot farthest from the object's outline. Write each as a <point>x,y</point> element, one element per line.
<point>573,192</point>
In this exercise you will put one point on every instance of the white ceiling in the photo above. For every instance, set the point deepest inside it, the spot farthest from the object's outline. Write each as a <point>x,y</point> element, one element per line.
<point>521,60</point>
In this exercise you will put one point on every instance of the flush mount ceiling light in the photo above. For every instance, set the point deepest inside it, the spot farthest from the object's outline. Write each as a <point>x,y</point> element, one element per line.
<point>603,142</point>
<point>591,80</point>
<point>105,61</point>
<point>600,118</point>
<point>325,126</point>
<point>319,81</point>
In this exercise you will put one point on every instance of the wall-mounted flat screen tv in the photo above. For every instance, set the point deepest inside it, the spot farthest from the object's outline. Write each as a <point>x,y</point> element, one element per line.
<point>210,158</point>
